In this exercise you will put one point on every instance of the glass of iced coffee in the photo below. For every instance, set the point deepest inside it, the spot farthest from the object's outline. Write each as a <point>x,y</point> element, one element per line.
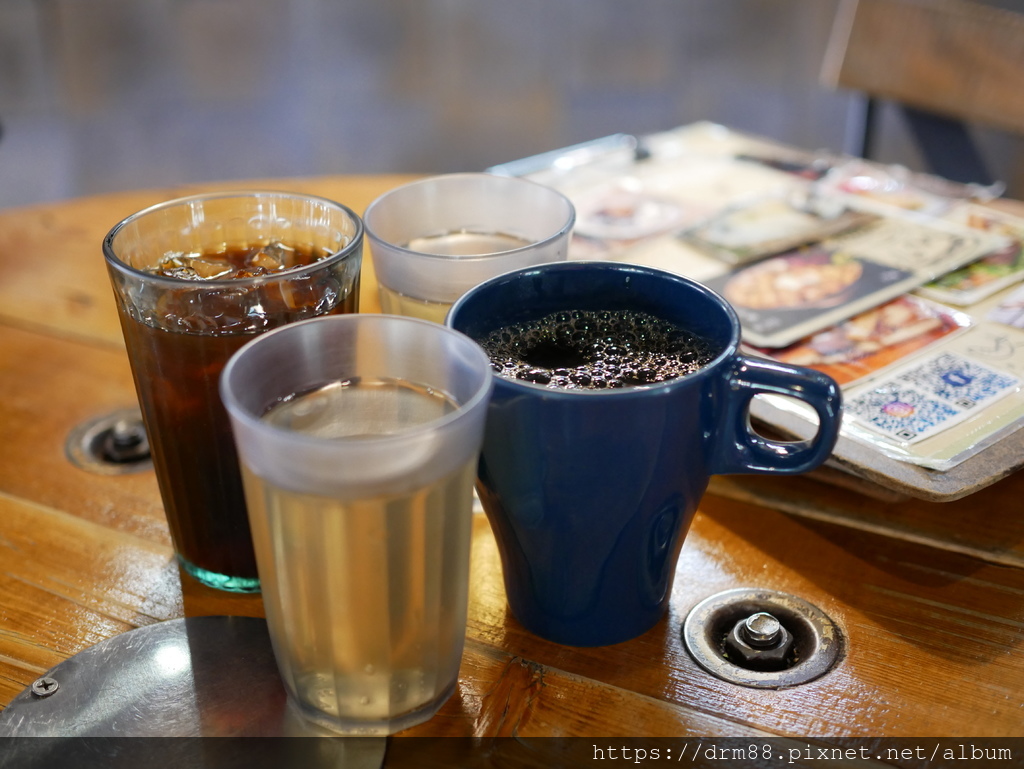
<point>195,279</point>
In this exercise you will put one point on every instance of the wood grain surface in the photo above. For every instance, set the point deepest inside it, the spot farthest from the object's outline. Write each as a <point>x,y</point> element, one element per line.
<point>929,598</point>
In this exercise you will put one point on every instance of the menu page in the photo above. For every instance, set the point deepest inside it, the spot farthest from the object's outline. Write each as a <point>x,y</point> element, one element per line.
<point>897,284</point>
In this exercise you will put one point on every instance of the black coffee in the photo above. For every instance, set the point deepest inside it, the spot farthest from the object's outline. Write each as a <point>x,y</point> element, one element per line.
<point>593,350</point>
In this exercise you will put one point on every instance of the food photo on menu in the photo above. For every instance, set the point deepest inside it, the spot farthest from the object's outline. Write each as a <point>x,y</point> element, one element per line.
<point>782,298</point>
<point>867,342</point>
<point>993,272</point>
<point>791,295</point>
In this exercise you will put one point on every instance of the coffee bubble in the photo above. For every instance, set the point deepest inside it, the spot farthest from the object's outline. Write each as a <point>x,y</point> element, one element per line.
<point>593,350</point>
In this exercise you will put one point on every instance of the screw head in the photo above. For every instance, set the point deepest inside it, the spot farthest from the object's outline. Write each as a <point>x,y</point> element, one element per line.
<point>45,686</point>
<point>124,442</point>
<point>759,642</point>
<point>761,630</point>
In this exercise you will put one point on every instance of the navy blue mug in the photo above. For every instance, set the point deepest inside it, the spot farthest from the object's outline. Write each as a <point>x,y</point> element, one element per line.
<point>591,492</point>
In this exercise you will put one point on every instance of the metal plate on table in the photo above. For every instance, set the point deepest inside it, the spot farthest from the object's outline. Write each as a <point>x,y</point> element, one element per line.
<point>185,678</point>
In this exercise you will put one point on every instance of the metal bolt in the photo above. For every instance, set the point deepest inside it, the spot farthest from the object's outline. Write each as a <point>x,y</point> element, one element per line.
<point>759,642</point>
<point>761,630</point>
<point>44,687</point>
<point>125,433</point>
<point>126,441</point>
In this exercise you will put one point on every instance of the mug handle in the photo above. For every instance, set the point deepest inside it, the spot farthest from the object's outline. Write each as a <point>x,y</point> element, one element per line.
<point>739,449</point>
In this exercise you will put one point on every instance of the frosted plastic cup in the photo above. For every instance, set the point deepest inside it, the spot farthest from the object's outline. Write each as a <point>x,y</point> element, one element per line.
<point>434,239</point>
<point>359,438</point>
<point>195,279</point>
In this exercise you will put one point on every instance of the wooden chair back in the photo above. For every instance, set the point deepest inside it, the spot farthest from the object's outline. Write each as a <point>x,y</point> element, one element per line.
<point>960,58</point>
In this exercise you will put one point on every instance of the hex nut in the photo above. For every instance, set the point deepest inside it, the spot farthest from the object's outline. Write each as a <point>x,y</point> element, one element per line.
<point>775,657</point>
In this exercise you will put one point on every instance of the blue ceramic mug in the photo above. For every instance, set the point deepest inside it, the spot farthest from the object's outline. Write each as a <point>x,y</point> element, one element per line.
<point>590,492</point>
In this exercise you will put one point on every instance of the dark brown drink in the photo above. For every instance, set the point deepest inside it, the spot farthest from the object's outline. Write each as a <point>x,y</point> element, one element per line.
<point>185,311</point>
<point>588,350</point>
<point>177,357</point>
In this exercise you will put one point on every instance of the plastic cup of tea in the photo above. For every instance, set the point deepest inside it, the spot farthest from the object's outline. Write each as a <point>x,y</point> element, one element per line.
<point>434,239</point>
<point>195,279</point>
<point>359,438</point>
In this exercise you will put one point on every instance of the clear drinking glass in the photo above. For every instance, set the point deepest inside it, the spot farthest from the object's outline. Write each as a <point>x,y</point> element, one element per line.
<point>434,239</point>
<point>359,439</point>
<point>195,279</point>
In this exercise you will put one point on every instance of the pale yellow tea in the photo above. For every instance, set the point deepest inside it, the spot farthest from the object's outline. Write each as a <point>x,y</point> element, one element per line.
<point>391,643</point>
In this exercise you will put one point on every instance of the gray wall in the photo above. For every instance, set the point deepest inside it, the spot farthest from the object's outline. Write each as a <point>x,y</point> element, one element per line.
<point>103,95</point>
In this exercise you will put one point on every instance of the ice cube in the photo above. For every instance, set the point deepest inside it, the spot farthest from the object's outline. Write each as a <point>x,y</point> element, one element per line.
<point>172,260</point>
<point>273,256</point>
<point>176,265</point>
<point>207,267</point>
<point>297,294</point>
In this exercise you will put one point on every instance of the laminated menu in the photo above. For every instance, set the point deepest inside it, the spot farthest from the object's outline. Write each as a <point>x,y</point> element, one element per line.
<point>754,229</point>
<point>897,284</point>
<point>865,344</point>
<point>990,274</point>
<point>939,407</point>
<point>788,296</point>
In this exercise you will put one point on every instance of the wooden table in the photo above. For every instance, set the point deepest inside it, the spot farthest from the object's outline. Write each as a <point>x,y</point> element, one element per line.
<point>929,597</point>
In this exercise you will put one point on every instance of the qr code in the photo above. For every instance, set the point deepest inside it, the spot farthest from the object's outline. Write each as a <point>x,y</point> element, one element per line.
<point>960,381</point>
<point>902,412</point>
